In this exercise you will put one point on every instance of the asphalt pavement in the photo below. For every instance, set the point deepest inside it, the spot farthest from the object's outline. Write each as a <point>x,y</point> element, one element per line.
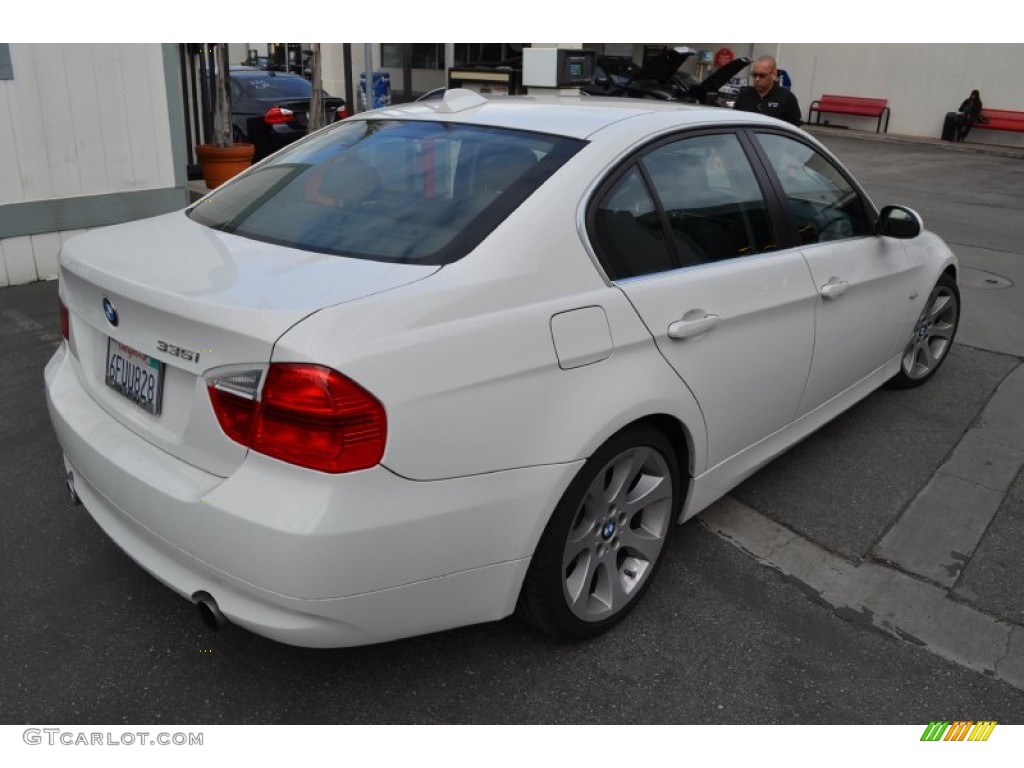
<point>869,575</point>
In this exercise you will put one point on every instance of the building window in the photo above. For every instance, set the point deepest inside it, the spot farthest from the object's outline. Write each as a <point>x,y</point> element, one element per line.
<point>431,55</point>
<point>428,56</point>
<point>391,55</point>
<point>422,55</point>
<point>467,54</point>
<point>6,70</point>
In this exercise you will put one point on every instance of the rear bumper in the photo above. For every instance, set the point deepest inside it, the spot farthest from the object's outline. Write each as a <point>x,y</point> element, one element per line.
<point>302,557</point>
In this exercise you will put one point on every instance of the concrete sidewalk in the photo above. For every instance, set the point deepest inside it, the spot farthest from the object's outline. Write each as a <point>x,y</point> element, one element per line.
<point>975,143</point>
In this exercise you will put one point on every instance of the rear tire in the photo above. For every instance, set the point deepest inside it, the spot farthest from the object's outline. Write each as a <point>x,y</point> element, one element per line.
<point>606,538</point>
<point>932,336</point>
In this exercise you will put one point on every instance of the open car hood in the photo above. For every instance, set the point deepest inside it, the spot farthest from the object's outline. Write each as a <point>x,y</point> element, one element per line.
<point>723,75</point>
<point>664,64</point>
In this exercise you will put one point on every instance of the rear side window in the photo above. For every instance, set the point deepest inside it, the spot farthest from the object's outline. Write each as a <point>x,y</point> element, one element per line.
<point>683,203</point>
<point>421,192</point>
<point>272,86</point>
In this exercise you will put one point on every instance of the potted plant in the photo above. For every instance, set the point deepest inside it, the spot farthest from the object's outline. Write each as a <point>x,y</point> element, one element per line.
<point>223,158</point>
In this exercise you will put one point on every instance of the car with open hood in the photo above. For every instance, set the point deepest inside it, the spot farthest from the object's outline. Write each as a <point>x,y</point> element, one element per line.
<point>660,77</point>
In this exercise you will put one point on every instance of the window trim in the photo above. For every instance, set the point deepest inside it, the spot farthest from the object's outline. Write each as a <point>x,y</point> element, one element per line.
<point>778,216</point>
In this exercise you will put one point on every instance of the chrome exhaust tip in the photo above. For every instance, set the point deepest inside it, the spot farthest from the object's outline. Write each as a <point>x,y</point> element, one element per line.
<point>209,611</point>
<point>69,483</point>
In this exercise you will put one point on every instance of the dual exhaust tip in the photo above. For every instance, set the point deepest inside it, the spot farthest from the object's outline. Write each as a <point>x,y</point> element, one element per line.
<point>209,611</point>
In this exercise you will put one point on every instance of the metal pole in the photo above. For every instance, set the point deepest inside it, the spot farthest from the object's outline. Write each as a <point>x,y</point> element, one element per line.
<point>368,63</point>
<point>351,97</point>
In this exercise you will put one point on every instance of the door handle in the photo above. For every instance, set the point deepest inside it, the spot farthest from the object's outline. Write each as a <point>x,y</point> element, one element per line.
<point>834,288</point>
<point>688,329</point>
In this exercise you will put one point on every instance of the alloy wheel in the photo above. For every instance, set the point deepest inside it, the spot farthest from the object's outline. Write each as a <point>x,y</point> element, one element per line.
<point>933,333</point>
<point>617,534</point>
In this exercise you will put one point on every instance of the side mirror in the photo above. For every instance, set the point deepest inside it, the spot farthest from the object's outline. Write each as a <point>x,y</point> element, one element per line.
<point>898,221</point>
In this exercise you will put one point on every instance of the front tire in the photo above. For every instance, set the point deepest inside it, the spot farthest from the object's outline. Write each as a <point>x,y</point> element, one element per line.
<point>606,538</point>
<point>932,336</point>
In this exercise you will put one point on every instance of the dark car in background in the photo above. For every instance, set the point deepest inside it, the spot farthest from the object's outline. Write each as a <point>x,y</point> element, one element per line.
<point>659,77</point>
<point>271,109</point>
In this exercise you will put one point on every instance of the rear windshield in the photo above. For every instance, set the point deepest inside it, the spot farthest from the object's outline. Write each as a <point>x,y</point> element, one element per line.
<point>271,86</point>
<point>386,190</point>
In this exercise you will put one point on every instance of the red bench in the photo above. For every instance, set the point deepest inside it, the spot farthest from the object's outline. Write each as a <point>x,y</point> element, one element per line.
<point>1002,120</point>
<point>851,105</point>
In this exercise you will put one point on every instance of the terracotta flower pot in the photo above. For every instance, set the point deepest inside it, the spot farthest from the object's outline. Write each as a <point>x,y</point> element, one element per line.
<point>221,163</point>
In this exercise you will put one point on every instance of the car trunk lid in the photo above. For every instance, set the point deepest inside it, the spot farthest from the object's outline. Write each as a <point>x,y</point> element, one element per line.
<point>174,299</point>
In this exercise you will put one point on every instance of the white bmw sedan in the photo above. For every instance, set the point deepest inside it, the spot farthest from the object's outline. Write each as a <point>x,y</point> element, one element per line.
<point>456,359</point>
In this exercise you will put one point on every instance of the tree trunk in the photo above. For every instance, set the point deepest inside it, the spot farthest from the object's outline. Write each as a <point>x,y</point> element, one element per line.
<point>222,133</point>
<point>316,104</point>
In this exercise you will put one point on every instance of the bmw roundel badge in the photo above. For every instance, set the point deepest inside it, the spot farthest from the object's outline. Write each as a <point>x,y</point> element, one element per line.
<point>110,312</point>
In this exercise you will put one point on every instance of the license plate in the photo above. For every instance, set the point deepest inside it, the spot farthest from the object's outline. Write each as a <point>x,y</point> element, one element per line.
<point>138,377</point>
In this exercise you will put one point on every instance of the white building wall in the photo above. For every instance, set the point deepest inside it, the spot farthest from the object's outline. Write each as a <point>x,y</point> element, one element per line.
<point>921,81</point>
<point>78,120</point>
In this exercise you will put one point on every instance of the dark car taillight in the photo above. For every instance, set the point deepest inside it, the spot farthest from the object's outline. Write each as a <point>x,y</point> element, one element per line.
<point>65,320</point>
<point>307,415</point>
<point>341,112</point>
<point>276,115</point>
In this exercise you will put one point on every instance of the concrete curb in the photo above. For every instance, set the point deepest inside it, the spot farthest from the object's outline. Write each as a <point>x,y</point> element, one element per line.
<point>939,531</point>
<point>907,593</point>
<point>876,595</point>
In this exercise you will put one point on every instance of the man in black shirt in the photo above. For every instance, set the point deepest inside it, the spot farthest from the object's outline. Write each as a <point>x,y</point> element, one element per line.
<point>766,95</point>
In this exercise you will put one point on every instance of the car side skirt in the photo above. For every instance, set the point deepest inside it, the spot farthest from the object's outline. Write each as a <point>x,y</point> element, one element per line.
<point>717,481</point>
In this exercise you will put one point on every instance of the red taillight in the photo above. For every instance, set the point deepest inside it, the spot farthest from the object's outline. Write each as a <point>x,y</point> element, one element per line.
<point>278,115</point>
<point>341,113</point>
<point>65,320</point>
<point>308,415</point>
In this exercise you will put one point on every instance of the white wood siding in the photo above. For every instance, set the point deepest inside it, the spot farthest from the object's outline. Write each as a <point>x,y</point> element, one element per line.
<point>32,257</point>
<point>81,119</point>
<point>78,120</point>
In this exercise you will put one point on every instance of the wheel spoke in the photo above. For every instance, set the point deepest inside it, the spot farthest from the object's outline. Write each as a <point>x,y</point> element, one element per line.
<point>577,584</point>
<point>929,357</point>
<point>586,518</point>
<point>618,596</point>
<point>911,363</point>
<point>649,491</point>
<point>598,596</point>
<point>623,474</point>
<point>642,543</point>
<point>939,304</point>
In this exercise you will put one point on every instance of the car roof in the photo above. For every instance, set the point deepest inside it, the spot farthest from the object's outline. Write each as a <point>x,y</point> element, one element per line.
<point>257,72</point>
<point>578,116</point>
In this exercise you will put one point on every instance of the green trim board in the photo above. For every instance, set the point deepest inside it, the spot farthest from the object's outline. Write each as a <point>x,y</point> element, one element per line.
<point>61,214</point>
<point>175,113</point>
<point>6,68</point>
